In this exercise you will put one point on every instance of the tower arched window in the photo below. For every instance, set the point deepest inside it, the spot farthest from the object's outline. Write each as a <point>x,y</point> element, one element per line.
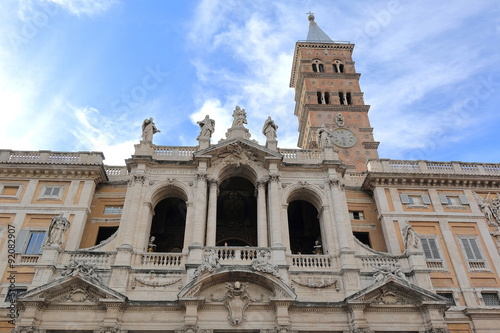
<point>338,66</point>
<point>317,66</point>
<point>323,97</point>
<point>345,98</point>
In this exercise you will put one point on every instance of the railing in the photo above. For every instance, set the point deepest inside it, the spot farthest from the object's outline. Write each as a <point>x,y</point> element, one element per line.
<point>50,157</point>
<point>161,259</point>
<point>355,178</point>
<point>477,265</point>
<point>173,153</point>
<point>368,263</point>
<point>301,155</point>
<point>116,171</point>
<point>392,166</point>
<point>27,259</point>
<point>231,255</point>
<point>308,261</point>
<point>435,264</point>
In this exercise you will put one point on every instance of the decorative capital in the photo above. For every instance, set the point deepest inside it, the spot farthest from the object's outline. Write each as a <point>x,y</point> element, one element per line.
<point>274,178</point>
<point>201,176</point>
<point>335,182</point>
<point>137,178</point>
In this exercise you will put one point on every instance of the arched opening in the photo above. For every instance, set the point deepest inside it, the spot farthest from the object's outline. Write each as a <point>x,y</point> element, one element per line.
<point>168,226</point>
<point>327,97</point>
<point>236,213</point>
<point>338,66</point>
<point>304,227</point>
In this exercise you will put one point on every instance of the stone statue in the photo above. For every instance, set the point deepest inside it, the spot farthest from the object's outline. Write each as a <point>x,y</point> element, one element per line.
<point>240,117</point>
<point>207,126</point>
<point>148,129</point>
<point>75,268</point>
<point>318,249</point>
<point>491,211</point>
<point>339,119</point>
<point>151,245</point>
<point>324,137</point>
<point>410,237</point>
<point>210,263</point>
<point>385,270</point>
<point>269,129</point>
<point>58,227</point>
<point>263,263</point>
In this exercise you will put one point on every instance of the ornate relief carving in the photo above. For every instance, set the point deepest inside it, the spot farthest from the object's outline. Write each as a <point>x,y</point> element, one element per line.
<point>192,329</point>
<point>262,263</point>
<point>210,263</point>
<point>84,268</point>
<point>137,178</point>
<point>274,178</point>
<point>28,329</point>
<point>303,183</point>
<point>79,294</point>
<point>201,176</point>
<point>360,330</point>
<point>391,296</point>
<point>235,154</point>
<point>153,280</point>
<point>382,271</point>
<point>334,182</point>
<point>108,329</point>
<point>317,283</point>
<point>280,329</point>
<point>490,208</point>
<point>236,301</point>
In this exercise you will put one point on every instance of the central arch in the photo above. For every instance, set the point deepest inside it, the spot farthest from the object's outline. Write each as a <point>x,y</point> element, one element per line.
<point>236,213</point>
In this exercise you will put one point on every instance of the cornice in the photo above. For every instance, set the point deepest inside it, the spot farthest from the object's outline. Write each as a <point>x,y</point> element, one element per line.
<point>426,180</point>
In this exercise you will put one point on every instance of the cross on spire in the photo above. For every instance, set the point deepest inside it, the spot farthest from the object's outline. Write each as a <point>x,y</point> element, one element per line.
<point>311,16</point>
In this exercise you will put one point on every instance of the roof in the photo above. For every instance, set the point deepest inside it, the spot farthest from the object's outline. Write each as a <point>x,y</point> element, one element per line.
<point>315,33</point>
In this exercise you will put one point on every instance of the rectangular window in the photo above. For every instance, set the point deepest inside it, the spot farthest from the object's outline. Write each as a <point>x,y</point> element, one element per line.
<point>453,200</point>
<point>471,249</point>
<point>52,192</point>
<point>113,210</point>
<point>12,294</point>
<point>10,191</point>
<point>430,249</point>
<point>449,297</point>
<point>491,299</point>
<point>356,215</point>
<point>415,200</point>
<point>35,242</point>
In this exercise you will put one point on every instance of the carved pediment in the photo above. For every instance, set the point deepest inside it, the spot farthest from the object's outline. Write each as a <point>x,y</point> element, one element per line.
<point>72,290</point>
<point>237,152</point>
<point>392,291</point>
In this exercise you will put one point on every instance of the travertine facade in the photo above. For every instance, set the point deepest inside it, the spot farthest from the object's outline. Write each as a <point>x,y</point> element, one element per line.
<point>246,237</point>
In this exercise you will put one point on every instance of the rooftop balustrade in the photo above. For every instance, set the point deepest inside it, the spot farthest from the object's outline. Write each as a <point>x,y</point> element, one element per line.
<point>50,157</point>
<point>401,166</point>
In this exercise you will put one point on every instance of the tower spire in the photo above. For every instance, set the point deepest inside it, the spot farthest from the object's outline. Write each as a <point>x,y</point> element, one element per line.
<point>315,33</point>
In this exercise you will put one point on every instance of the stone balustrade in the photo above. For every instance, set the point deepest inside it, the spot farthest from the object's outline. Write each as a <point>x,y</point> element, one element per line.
<point>102,260</point>
<point>173,153</point>
<point>27,259</point>
<point>395,166</point>
<point>310,262</point>
<point>304,156</point>
<point>50,157</point>
<point>368,263</point>
<point>116,171</point>
<point>160,260</point>
<point>234,255</point>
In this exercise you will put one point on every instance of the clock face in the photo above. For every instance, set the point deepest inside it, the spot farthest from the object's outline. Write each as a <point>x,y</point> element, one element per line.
<point>343,137</point>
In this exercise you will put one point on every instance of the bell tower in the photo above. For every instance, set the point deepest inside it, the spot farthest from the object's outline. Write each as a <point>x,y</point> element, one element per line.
<point>329,102</point>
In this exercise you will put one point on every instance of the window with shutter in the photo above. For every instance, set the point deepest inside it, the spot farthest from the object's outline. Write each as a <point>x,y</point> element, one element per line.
<point>35,242</point>
<point>430,248</point>
<point>471,249</point>
<point>52,192</point>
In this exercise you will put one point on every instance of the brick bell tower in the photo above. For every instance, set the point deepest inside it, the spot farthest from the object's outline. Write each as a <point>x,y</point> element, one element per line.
<point>328,97</point>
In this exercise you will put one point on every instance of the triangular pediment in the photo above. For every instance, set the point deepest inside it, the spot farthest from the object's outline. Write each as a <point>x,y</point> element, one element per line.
<point>237,151</point>
<point>78,290</point>
<point>393,291</point>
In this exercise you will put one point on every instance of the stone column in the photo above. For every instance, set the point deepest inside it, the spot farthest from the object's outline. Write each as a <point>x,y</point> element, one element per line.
<point>212,213</point>
<point>390,236</point>
<point>274,210</point>
<point>132,205</point>
<point>261,214</point>
<point>200,209</point>
<point>339,218</point>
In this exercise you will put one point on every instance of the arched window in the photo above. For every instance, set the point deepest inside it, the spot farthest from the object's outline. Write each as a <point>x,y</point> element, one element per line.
<point>338,66</point>
<point>236,213</point>
<point>327,97</point>
<point>345,98</point>
<point>317,66</point>
<point>169,224</point>
<point>348,98</point>
<point>319,95</point>
<point>303,226</point>
<point>323,97</point>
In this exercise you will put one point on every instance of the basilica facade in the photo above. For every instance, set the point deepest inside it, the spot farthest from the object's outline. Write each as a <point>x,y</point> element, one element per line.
<point>238,236</point>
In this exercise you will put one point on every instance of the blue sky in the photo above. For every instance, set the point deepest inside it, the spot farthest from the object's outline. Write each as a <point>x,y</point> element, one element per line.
<point>82,75</point>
